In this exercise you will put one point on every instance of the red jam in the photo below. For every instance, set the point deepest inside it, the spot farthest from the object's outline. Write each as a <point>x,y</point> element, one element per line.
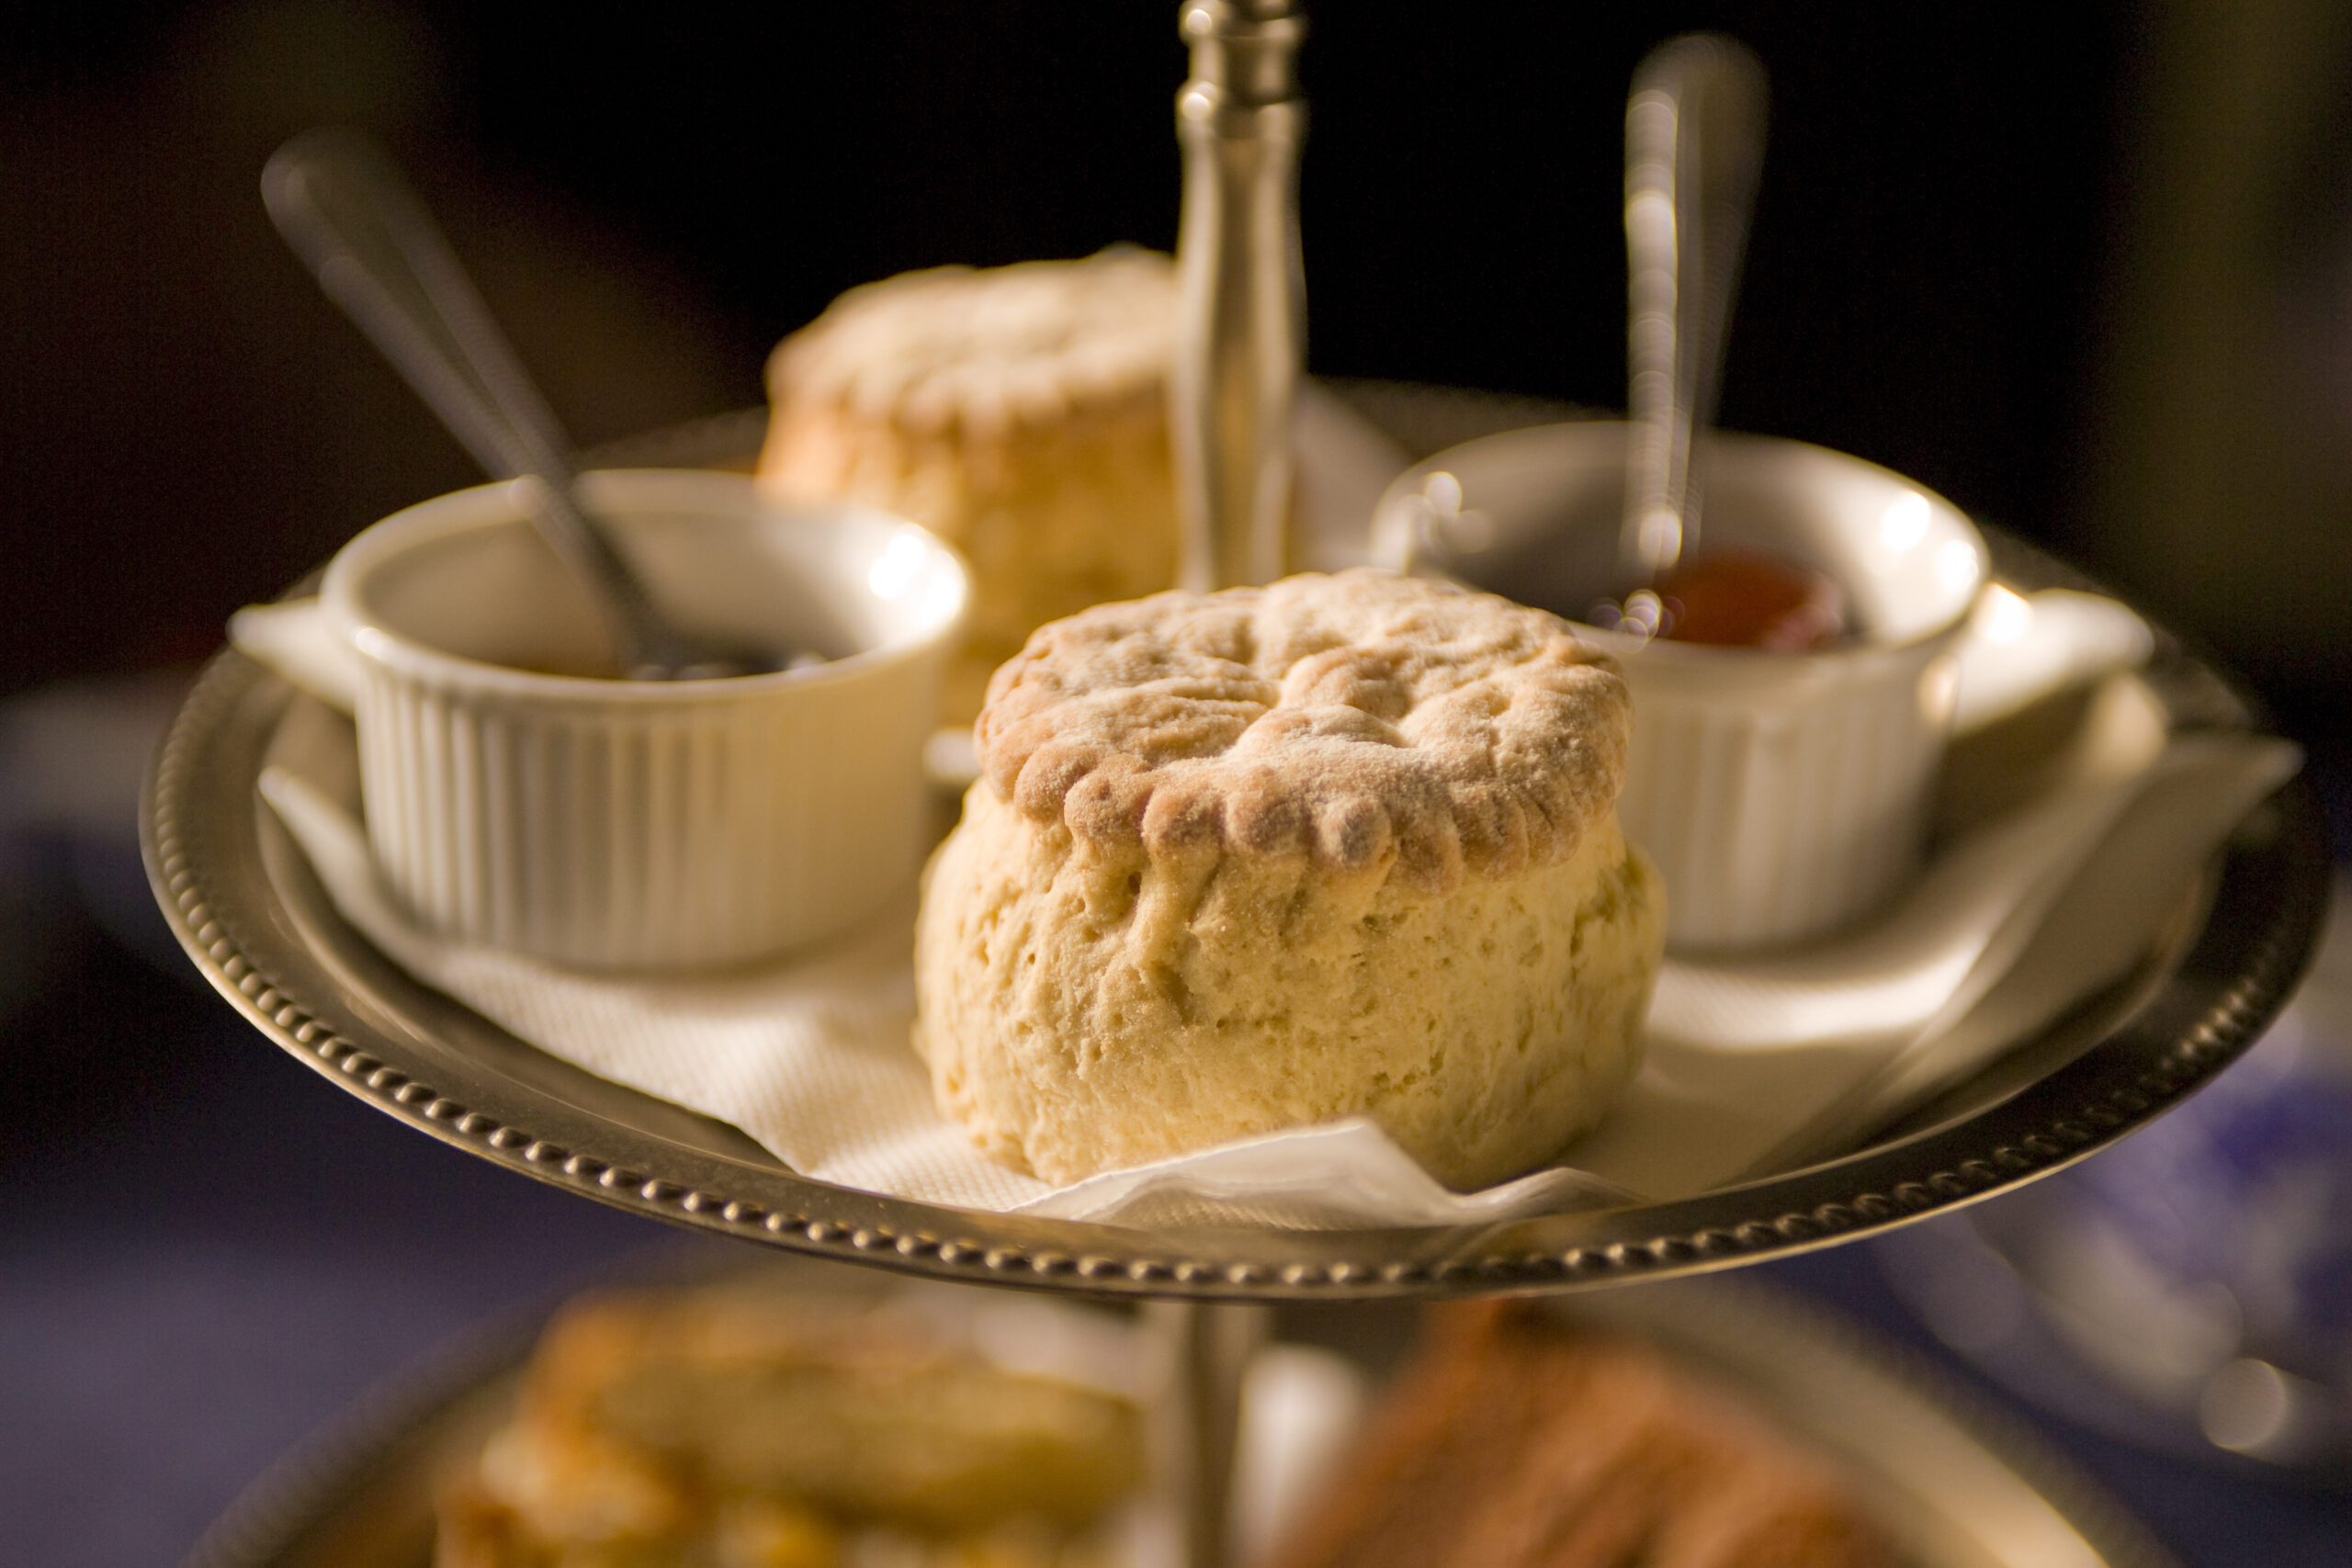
<point>1728,598</point>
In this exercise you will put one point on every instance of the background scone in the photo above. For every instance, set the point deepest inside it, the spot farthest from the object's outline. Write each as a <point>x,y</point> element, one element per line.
<point>1271,857</point>
<point>1019,412</point>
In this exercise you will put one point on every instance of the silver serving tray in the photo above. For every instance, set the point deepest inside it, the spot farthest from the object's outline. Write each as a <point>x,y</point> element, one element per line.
<point>1953,1483</point>
<point>258,924</point>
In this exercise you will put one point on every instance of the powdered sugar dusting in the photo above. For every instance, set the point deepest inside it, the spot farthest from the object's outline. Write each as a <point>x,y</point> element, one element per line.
<point>1378,723</point>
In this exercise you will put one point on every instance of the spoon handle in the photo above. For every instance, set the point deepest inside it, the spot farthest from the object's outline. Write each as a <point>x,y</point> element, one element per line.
<point>1695,146</point>
<point>376,252</point>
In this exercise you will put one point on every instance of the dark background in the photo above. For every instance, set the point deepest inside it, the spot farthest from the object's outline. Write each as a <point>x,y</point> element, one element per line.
<point>654,195</point>
<point>2086,269</point>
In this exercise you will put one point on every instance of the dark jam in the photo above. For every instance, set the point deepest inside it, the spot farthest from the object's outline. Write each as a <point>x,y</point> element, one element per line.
<point>1730,598</point>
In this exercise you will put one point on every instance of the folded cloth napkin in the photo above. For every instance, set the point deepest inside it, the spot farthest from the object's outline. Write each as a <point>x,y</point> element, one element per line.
<point>1753,1066</point>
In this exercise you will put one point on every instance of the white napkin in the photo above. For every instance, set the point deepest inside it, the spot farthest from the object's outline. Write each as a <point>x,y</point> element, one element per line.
<point>1765,1063</point>
<point>811,1058</point>
<point>1753,1066</point>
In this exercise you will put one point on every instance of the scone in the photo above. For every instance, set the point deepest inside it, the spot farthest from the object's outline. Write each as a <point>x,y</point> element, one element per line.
<point>1019,412</point>
<point>1260,859</point>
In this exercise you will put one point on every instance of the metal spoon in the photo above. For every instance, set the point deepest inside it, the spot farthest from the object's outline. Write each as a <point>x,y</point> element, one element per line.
<point>1695,146</point>
<point>344,208</point>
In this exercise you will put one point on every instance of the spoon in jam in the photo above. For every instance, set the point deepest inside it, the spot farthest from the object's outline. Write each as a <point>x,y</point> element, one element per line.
<point>1694,147</point>
<point>340,203</point>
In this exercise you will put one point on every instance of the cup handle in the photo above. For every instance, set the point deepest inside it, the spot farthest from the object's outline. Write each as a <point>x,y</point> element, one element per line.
<point>2021,649</point>
<point>293,638</point>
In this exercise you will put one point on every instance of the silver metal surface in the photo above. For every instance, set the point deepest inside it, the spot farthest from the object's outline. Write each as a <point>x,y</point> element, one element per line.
<point>1953,1483</point>
<point>248,910</point>
<point>376,252</point>
<point>1198,1426</point>
<point>1240,290</point>
<point>1240,336</point>
<point>1695,146</point>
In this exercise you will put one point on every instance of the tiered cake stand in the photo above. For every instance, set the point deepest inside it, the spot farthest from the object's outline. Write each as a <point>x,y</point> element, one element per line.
<point>260,926</point>
<point>257,922</point>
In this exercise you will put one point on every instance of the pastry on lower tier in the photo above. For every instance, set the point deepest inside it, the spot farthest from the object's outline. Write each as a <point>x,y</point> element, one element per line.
<point>1017,412</point>
<point>1344,846</point>
<point>762,1426</point>
<point>1514,1442</point>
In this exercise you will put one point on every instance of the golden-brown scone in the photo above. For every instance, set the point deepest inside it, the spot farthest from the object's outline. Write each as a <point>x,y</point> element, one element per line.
<point>1515,1443</point>
<point>1266,858</point>
<point>1018,411</point>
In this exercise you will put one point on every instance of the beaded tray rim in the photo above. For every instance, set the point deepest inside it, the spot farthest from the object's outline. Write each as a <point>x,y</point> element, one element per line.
<point>255,923</point>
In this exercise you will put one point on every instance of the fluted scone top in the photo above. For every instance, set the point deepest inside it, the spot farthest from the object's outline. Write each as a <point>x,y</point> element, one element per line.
<point>1376,723</point>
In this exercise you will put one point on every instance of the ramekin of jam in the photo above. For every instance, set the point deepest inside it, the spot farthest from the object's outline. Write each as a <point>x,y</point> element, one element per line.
<point>1793,679</point>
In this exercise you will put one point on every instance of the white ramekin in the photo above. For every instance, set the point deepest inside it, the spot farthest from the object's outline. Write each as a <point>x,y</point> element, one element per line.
<point>614,825</point>
<point>1782,795</point>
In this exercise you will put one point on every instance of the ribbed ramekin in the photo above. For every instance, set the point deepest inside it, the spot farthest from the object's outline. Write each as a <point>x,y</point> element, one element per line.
<point>515,798</point>
<point>1782,795</point>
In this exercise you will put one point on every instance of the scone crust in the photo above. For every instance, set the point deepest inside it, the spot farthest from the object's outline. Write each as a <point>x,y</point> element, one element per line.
<point>983,351</point>
<point>1379,724</point>
<point>1269,858</point>
<point>1019,412</point>
<point>1083,1011</point>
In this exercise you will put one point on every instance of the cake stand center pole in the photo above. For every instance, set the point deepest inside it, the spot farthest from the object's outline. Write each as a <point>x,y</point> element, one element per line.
<point>1240,330</point>
<point>1240,334</point>
<point>1199,1416</point>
